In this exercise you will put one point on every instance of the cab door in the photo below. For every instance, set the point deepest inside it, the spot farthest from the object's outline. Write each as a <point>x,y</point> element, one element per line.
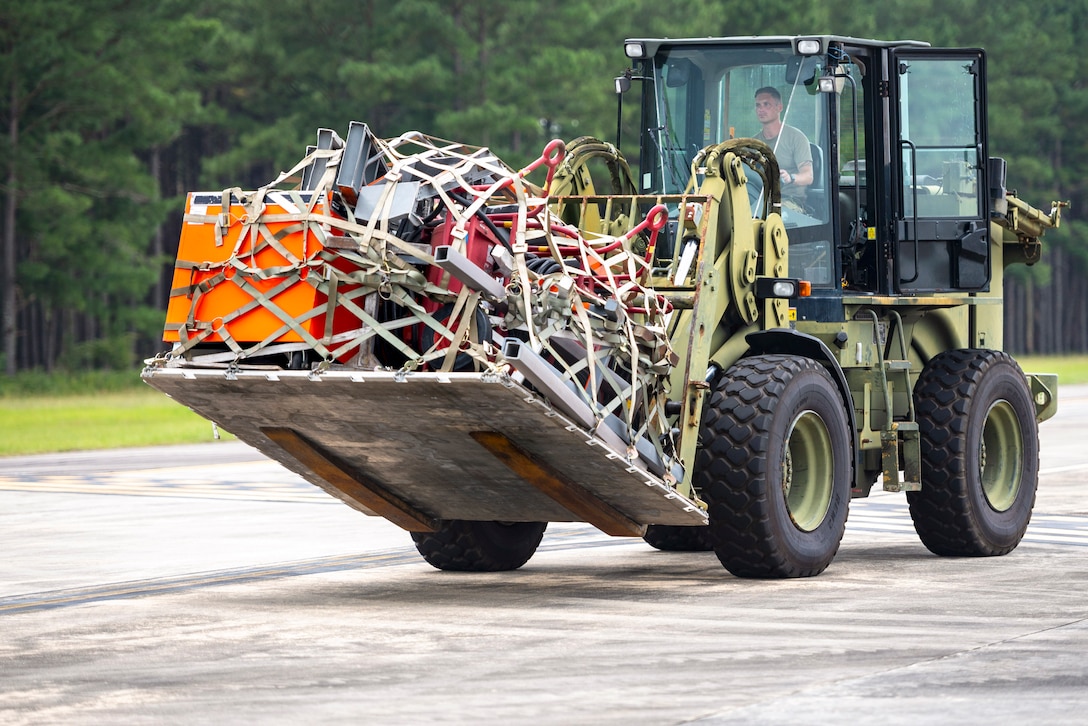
<point>939,170</point>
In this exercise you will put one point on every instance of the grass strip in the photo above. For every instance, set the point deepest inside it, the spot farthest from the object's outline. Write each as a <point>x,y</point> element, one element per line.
<point>99,420</point>
<point>1071,369</point>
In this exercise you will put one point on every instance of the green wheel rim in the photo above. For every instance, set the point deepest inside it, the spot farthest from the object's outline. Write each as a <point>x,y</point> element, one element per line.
<point>808,471</point>
<point>1001,456</point>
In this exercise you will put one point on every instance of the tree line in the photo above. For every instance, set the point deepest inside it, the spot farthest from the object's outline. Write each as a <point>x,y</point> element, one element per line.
<point>112,110</point>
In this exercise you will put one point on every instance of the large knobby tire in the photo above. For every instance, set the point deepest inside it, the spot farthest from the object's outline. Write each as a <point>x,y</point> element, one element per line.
<point>776,467</point>
<point>467,546</point>
<point>677,538</point>
<point>980,454</point>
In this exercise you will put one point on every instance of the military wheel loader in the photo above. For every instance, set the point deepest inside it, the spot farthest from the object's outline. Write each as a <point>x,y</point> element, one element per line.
<point>705,354</point>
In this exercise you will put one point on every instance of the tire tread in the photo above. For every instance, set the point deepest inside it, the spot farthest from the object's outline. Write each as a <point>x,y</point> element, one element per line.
<point>468,546</point>
<point>944,514</point>
<point>731,468</point>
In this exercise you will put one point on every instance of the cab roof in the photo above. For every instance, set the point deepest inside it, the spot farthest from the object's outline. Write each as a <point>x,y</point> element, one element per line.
<point>652,45</point>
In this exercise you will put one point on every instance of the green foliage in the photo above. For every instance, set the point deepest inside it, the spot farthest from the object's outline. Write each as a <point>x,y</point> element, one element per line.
<point>230,92</point>
<point>102,354</point>
<point>90,89</point>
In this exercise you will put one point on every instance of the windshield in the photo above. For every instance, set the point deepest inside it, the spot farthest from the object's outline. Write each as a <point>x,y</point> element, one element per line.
<point>705,95</point>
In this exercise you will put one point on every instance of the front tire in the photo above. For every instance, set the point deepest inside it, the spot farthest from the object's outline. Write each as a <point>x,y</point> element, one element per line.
<point>466,546</point>
<point>980,454</point>
<point>776,467</point>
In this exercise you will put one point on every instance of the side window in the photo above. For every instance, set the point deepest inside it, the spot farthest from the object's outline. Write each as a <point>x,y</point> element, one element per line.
<point>679,122</point>
<point>851,166</point>
<point>939,139</point>
<point>942,231</point>
<point>854,183</point>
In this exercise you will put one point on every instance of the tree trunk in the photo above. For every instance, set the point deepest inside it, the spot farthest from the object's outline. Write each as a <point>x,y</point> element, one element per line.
<point>7,277</point>
<point>1029,316</point>
<point>158,245</point>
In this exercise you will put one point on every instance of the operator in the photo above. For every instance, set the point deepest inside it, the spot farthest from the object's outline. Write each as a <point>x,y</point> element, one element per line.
<point>790,146</point>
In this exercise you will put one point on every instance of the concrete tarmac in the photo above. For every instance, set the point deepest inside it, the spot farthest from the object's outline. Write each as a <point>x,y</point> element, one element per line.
<point>205,584</point>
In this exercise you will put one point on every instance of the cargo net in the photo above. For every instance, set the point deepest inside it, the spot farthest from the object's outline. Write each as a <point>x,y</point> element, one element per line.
<point>417,254</point>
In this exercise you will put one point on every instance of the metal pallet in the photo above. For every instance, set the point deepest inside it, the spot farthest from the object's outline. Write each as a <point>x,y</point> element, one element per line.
<point>416,448</point>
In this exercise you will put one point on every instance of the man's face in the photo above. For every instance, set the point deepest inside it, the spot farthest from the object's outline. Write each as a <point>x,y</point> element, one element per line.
<point>767,108</point>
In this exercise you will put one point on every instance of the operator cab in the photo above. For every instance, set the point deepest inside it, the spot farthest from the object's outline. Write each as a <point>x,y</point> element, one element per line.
<point>898,203</point>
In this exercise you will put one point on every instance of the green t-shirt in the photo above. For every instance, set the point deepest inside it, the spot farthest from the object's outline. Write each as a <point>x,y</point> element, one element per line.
<point>791,149</point>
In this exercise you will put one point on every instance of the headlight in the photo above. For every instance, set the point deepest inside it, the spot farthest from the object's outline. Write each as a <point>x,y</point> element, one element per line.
<point>784,288</point>
<point>808,46</point>
<point>781,288</point>
<point>634,50</point>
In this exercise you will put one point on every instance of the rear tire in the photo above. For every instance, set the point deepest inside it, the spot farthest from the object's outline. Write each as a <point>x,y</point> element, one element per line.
<point>467,546</point>
<point>980,454</point>
<point>776,467</point>
<point>676,538</point>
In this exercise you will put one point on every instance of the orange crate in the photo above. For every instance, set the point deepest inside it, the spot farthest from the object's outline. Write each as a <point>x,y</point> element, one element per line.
<point>198,245</point>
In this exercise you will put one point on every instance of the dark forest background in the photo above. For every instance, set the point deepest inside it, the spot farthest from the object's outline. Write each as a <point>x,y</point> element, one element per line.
<point>110,110</point>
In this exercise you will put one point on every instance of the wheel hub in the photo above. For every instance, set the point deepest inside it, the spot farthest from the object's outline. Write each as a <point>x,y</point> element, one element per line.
<point>1001,456</point>
<point>808,466</point>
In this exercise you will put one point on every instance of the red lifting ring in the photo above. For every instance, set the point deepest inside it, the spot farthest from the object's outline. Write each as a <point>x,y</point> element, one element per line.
<point>658,217</point>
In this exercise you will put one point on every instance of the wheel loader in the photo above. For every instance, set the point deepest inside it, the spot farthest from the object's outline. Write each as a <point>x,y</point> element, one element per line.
<point>701,349</point>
